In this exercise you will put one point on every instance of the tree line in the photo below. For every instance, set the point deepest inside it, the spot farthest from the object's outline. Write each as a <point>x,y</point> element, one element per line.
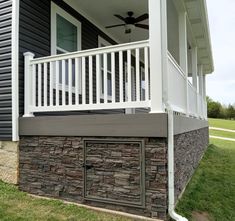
<point>216,110</point>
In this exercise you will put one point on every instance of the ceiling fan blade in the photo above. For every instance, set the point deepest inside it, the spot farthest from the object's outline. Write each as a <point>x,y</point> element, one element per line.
<point>142,18</point>
<point>120,17</point>
<point>113,26</point>
<point>142,26</point>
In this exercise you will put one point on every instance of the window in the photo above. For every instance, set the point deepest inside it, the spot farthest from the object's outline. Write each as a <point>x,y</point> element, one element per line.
<point>133,83</point>
<point>142,84</point>
<point>65,37</point>
<point>104,43</point>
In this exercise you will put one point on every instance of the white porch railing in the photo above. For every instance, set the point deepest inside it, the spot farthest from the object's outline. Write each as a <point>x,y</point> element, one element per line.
<point>114,77</point>
<point>178,95</point>
<point>101,78</point>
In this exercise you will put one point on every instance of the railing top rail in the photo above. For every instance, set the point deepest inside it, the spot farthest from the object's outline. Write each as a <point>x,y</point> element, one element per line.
<point>176,65</point>
<point>192,87</point>
<point>92,52</point>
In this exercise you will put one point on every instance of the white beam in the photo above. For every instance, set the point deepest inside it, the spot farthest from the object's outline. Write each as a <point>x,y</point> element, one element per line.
<point>204,86</point>
<point>195,74</point>
<point>194,67</point>
<point>200,73</point>
<point>183,49</point>
<point>156,56</point>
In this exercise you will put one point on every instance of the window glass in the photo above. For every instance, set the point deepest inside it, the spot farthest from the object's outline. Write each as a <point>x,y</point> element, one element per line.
<point>66,35</point>
<point>109,72</point>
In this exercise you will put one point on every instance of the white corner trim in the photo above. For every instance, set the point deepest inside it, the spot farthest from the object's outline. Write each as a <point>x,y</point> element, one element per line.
<point>15,69</point>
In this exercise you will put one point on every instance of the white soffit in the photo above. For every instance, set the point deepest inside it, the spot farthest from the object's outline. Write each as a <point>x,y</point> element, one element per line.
<point>198,17</point>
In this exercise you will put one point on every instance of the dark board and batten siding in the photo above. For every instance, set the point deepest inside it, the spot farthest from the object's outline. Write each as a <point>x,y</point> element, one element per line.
<point>34,37</point>
<point>5,70</point>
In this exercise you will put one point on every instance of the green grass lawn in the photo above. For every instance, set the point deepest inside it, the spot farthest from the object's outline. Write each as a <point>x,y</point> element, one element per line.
<point>18,206</point>
<point>227,124</point>
<point>222,134</point>
<point>212,189</point>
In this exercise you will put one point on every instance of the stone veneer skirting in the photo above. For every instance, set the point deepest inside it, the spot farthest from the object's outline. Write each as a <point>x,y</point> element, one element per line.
<point>125,174</point>
<point>9,161</point>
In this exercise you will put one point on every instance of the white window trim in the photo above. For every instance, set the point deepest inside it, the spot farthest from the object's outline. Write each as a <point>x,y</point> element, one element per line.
<point>55,9</point>
<point>102,41</point>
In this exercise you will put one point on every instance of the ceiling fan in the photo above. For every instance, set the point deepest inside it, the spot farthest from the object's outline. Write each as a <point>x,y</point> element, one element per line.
<point>130,22</point>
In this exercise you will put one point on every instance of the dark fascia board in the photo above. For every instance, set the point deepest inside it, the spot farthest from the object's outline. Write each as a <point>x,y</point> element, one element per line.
<point>113,125</point>
<point>184,124</point>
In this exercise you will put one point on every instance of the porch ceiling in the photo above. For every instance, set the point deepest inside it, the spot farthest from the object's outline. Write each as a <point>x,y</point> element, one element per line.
<point>102,13</point>
<point>198,18</point>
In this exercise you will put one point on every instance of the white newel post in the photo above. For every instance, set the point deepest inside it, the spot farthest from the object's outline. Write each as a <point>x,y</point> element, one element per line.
<point>156,42</point>
<point>194,73</point>
<point>28,56</point>
<point>183,48</point>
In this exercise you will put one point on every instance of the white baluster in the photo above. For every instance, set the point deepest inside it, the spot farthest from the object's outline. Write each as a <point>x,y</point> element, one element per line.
<point>57,69</point>
<point>146,64</point>
<point>137,66</point>
<point>77,79</point>
<point>98,79</point>
<point>51,83</point>
<point>83,80</point>
<point>45,84</point>
<point>90,80</point>
<point>63,83</point>
<point>113,78</point>
<point>105,79</point>
<point>129,85</point>
<point>121,75</point>
<point>70,82</point>
<point>39,85</point>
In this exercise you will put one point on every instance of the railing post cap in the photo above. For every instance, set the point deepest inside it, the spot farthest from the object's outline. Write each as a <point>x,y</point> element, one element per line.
<point>29,54</point>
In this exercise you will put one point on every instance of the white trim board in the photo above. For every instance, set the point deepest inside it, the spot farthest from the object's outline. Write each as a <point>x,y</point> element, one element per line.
<point>15,69</point>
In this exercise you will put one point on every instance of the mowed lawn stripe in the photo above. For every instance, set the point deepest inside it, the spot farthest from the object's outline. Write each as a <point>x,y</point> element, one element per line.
<point>212,188</point>
<point>221,133</point>
<point>226,124</point>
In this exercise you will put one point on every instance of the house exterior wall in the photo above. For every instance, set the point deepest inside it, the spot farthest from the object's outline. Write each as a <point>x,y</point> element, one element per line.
<point>54,167</point>
<point>35,37</point>
<point>189,150</point>
<point>5,70</point>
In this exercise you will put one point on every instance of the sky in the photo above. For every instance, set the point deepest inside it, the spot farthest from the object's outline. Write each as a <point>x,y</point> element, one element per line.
<point>221,84</point>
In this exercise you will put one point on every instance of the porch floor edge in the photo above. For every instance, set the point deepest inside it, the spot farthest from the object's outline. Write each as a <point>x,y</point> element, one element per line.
<point>107,125</point>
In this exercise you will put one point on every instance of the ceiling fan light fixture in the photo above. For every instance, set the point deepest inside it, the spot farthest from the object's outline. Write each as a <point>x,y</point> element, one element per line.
<point>129,28</point>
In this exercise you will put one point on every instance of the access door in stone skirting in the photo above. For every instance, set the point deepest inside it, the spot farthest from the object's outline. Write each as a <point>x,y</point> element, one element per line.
<point>114,172</point>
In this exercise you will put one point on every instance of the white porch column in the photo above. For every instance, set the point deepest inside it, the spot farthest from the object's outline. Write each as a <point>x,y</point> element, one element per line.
<point>204,86</point>
<point>158,51</point>
<point>183,49</point>
<point>204,96</point>
<point>194,73</point>
<point>200,81</point>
